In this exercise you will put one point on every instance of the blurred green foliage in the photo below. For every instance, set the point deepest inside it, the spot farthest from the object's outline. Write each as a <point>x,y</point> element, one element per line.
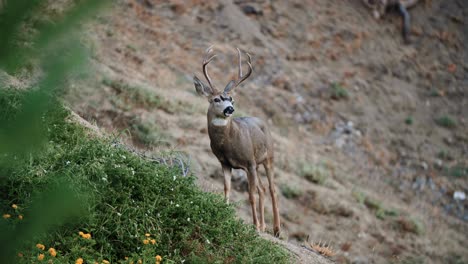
<point>50,47</point>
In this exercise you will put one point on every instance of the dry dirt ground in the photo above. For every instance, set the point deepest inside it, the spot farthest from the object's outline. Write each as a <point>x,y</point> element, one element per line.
<point>371,135</point>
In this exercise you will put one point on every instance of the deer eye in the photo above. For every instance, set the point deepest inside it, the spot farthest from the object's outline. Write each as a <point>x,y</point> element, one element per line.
<point>217,100</point>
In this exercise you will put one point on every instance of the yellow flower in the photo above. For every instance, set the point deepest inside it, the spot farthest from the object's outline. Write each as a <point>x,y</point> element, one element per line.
<point>126,258</point>
<point>20,217</point>
<point>14,206</point>
<point>146,241</point>
<point>6,216</point>
<point>79,261</point>
<point>158,259</point>
<point>139,261</point>
<point>83,235</point>
<point>40,246</point>
<point>147,235</point>
<point>40,257</point>
<point>105,261</point>
<point>52,252</point>
<point>153,241</point>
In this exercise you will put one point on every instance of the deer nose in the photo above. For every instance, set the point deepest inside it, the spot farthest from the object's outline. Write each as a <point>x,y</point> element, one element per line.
<point>229,110</point>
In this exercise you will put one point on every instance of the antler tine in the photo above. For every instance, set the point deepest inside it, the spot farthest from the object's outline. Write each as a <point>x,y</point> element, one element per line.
<point>242,78</point>
<point>207,60</point>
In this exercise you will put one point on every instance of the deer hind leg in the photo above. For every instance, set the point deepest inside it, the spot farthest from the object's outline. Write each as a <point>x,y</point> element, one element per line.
<point>270,174</point>
<point>405,16</point>
<point>227,171</point>
<point>261,203</point>
<point>252,175</point>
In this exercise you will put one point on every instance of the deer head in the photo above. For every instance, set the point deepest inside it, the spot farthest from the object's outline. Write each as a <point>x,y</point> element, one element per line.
<point>377,6</point>
<point>221,103</point>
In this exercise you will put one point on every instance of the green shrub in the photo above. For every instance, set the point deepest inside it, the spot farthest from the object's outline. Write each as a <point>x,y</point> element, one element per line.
<point>359,196</point>
<point>315,173</point>
<point>456,170</point>
<point>149,134</point>
<point>446,121</point>
<point>135,96</point>
<point>290,192</point>
<point>445,155</point>
<point>411,225</point>
<point>338,92</point>
<point>409,120</point>
<point>122,198</point>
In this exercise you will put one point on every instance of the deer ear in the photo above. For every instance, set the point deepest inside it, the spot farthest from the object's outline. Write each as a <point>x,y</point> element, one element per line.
<point>201,88</point>
<point>229,86</point>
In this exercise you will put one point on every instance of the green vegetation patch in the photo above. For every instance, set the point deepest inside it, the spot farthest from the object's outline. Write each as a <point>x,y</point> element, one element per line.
<point>457,170</point>
<point>315,173</point>
<point>381,212</point>
<point>124,206</point>
<point>446,121</point>
<point>128,95</point>
<point>290,192</point>
<point>338,92</point>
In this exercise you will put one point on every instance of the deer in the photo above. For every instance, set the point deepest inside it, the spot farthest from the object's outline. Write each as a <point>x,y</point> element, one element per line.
<point>380,7</point>
<point>239,143</point>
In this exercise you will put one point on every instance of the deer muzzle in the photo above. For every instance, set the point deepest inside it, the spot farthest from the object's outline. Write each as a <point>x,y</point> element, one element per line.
<point>228,111</point>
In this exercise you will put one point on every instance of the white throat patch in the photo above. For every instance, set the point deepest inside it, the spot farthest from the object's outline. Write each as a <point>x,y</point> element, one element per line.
<point>219,122</point>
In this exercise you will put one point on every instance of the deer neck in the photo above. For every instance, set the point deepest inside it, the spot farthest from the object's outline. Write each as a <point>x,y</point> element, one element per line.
<point>219,127</point>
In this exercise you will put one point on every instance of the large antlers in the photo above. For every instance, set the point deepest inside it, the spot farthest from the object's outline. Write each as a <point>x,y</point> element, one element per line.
<point>207,60</point>
<point>240,78</point>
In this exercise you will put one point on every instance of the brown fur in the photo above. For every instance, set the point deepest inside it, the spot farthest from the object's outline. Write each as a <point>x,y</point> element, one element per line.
<point>240,143</point>
<point>379,7</point>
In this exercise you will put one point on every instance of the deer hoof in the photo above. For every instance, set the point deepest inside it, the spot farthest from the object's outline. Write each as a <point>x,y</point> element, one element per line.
<point>276,232</point>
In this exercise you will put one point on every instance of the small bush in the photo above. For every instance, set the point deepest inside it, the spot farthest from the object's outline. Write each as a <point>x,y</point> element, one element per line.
<point>133,95</point>
<point>446,121</point>
<point>314,173</point>
<point>445,155</point>
<point>290,192</point>
<point>411,225</point>
<point>372,203</point>
<point>382,213</point>
<point>360,196</point>
<point>338,92</point>
<point>409,120</point>
<point>457,170</point>
<point>149,134</point>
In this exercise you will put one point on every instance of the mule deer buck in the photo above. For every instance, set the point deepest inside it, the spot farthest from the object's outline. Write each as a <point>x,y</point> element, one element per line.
<point>239,143</point>
<point>380,7</point>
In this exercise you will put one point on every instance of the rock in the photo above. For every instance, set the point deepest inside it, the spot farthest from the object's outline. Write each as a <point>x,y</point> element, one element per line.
<point>459,195</point>
<point>419,183</point>
<point>239,180</point>
<point>250,9</point>
<point>424,165</point>
<point>340,142</point>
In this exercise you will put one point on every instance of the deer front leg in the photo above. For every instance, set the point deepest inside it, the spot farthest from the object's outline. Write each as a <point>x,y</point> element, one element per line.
<point>227,171</point>
<point>261,199</point>
<point>252,175</point>
<point>405,22</point>
<point>274,200</point>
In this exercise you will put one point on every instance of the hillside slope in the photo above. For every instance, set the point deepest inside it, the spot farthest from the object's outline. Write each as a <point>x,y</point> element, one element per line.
<point>371,135</point>
<point>85,197</point>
